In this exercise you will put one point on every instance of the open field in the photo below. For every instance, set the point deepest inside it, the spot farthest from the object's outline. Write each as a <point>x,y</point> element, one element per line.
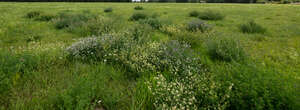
<point>78,56</point>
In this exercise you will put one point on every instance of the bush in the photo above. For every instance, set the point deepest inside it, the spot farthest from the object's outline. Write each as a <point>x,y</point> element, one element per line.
<point>183,85</point>
<point>194,14</point>
<point>210,15</point>
<point>107,10</point>
<point>197,25</point>
<point>98,26</point>
<point>71,21</point>
<point>138,16</point>
<point>45,17</point>
<point>138,8</point>
<point>252,27</point>
<point>85,49</point>
<point>33,14</point>
<point>257,87</point>
<point>12,68</point>
<point>153,22</point>
<point>226,49</point>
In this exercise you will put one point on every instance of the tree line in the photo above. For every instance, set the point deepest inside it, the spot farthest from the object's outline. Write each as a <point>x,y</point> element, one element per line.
<point>175,1</point>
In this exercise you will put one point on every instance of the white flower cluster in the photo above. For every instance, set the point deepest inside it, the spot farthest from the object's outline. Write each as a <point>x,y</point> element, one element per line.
<point>84,48</point>
<point>190,86</point>
<point>178,94</point>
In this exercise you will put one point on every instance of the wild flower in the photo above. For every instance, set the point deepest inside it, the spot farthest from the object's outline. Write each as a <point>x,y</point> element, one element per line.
<point>85,48</point>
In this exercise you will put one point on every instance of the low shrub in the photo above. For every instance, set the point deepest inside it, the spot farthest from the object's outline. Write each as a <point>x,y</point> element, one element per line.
<point>194,14</point>
<point>226,49</point>
<point>138,16</point>
<point>13,67</point>
<point>45,17</point>
<point>153,22</point>
<point>210,15</point>
<point>179,33</point>
<point>85,49</point>
<point>198,25</point>
<point>138,8</point>
<point>98,26</point>
<point>70,20</point>
<point>33,14</point>
<point>252,27</point>
<point>107,10</point>
<point>257,87</point>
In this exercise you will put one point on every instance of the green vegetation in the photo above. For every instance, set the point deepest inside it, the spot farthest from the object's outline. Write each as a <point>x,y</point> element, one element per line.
<point>107,10</point>
<point>138,8</point>
<point>252,27</point>
<point>79,56</point>
<point>138,16</point>
<point>197,25</point>
<point>210,15</point>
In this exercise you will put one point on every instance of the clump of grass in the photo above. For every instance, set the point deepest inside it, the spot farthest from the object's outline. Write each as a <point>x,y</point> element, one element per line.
<point>198,25</point>
<point>153,22</point>
<point>210,15</point>
<point>45,17</point>
<point>138,8</point>
<point>99,26</point>
<point>33,14</point>
<point>226,49</point>
<point>138,16</point>
<point>69,20</point>
<point>13,67</point>
<point>252,27</point>
<point>108,10</point>
<point>194,14</point>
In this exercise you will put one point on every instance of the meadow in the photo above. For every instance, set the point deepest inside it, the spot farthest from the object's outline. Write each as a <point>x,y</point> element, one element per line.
<point>146,56</point>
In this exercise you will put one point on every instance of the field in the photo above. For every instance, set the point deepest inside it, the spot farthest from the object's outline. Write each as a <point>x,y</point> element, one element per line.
<point>118,56</point>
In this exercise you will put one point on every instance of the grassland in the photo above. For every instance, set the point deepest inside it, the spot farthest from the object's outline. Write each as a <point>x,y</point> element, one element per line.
<point>36,71</point>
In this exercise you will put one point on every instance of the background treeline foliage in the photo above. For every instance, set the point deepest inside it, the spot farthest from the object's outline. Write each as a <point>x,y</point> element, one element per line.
<point>177,1</point>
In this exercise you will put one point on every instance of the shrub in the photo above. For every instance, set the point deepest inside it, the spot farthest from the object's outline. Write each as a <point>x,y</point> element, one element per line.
<point>138,16</point>
<point>194,14</point>
<point>85,49</point>
<point>98,26</point>
<point>45,17</point>
<point>210,15</point>
<point>107,10</point>
<point>138,8</point>
<point>66,20</point>
<point>12,68</point>
<point>153,22</point>
<point>252,27</point>
<point>226,49</point>
<point>33,14</point>
<point>197,25</point>
<point>256,87</point>
<point>183,87</point>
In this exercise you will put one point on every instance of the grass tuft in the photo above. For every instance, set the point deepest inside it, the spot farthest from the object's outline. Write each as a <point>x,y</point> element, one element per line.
<point>252,27</point>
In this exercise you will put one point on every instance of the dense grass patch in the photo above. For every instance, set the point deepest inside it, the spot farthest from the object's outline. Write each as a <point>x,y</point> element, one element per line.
<point>108,10</point>
<point>138,16</point>
<point>194,14</point>
<point>198,25</point>
<point>153,22</point>
<point>210,15</point>
<point>226,49</point>
<point>13,68</point>
<point>70,20</point>
<point>252,27</point>
<point>33,14</point>
<point>138,8</point>
<point>45,17</point>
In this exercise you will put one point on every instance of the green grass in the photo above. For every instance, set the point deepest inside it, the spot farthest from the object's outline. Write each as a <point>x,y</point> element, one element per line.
<point>35,72</point>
